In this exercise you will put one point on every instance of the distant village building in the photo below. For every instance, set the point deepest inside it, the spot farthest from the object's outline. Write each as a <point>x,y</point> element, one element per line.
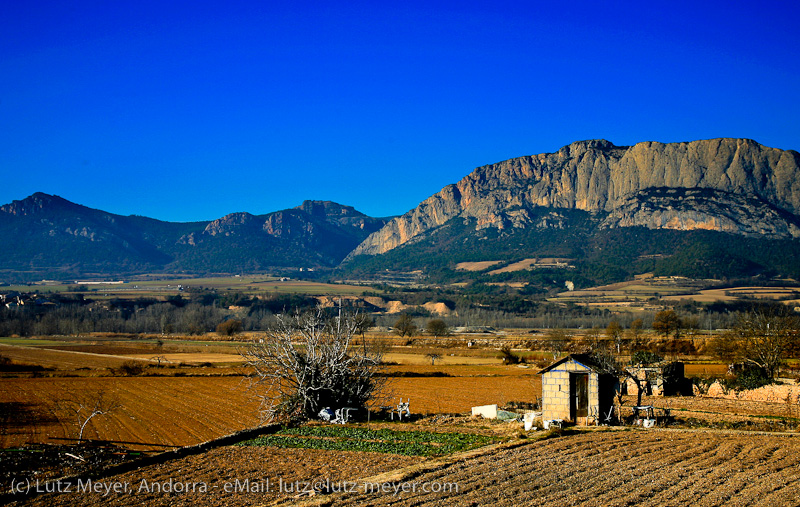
<point>575,389</point>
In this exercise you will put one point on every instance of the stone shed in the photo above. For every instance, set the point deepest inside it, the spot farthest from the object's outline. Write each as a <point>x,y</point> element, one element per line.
<point>575,389</point>
<point>659,379</point>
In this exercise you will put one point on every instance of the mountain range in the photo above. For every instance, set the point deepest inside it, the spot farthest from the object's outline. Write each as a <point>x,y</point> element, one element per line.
<point>730,185</point>
<point>48,236</point>
<point>720,207</point>
<point>716,208</point>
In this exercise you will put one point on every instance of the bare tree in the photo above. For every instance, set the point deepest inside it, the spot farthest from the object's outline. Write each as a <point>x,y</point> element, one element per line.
<point>557,341</point>
<point>86,407</point>
<point>308,362</point>
<point>667,322</point>
<point>159,360</point>
<point>635,331</point>
<point>592,339</point>
<point>437,328</point>
<point>405,326</point>
<point>433,356</point>
<point>608,364</point>
<point>762,339</point>
<point>362,323</point>
<point>614,333</point>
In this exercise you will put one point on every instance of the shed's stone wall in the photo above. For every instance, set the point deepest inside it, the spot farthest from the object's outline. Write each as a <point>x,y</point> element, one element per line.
<point>556,395</point>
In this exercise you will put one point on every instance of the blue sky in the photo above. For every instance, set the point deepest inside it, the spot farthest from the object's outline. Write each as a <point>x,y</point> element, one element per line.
<point>193,110</point>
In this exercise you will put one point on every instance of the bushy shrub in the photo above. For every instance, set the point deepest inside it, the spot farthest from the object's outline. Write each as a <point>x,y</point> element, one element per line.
<point>747,377</point>
<point>509,357</point>
<point>229,327</point>
<point>645,357</point>
<point>131,368</point>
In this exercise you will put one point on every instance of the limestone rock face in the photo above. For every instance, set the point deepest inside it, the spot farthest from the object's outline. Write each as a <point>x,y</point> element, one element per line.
<point>688,209</point>
<point>35,204</point>
<point>732,185</point>
<point>342,216</point>
<point>229,224</point>
<point>287,224</point>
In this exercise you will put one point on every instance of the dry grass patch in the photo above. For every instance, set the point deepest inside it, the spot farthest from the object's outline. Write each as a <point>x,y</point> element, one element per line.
<point>475,266</point>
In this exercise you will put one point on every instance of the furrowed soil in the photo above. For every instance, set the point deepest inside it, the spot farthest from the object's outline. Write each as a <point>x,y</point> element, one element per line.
<point>62,359</point>
<point>615,468</point>
<point>157,412</point>
<point>254,475</point>
<point>151,413</point>
<point>592,468</point>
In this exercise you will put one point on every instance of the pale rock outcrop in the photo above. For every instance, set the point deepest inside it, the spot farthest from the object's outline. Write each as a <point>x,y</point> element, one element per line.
<point>732,185</point>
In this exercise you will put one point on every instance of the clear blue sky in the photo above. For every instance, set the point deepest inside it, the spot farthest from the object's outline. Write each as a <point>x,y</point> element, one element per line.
<point>191,110</point>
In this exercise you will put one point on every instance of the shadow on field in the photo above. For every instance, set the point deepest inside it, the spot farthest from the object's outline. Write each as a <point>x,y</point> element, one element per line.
<point>14,415</point>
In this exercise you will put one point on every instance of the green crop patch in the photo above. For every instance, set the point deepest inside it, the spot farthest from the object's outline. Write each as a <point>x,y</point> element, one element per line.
<point>346,438</point>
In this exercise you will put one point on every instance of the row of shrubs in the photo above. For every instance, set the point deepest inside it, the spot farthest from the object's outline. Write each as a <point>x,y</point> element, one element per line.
<point>744,377</point>
<point>136,368</point>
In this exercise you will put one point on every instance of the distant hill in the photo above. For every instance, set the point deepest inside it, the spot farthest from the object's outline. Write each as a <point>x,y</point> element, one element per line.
<point>46,236</point>
<point>721,207</point>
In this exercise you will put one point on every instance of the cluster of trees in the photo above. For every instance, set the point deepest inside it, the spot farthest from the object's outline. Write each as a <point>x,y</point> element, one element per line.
<point>405,326</point>
<point>760,339</point>
<point>503,307</point>
<point>199,313</point>
<point>76,319</point>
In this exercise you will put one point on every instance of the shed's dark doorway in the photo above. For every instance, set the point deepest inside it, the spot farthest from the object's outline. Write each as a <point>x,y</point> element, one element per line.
<point>579,395</point>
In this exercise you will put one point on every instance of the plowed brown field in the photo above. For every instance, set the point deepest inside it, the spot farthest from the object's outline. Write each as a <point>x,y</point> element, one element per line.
<point>436,395</point>
<point>612,468</point>
<point>642,468</point>
<point>61,359</point>
<point>175,411</point>
<point>153,412</point>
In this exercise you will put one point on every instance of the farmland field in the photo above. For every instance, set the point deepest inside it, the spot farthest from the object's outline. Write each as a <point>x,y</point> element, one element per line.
<point>475,266</point>
<point>153,412</point>
<point>198,403</point>
<point>733,293</point>
<point>174,411</point>
<point>671,289</point>
<point>593,468</point>
<point>647,468</point>
<point>163,285</point>
<point>61,359</point>
<point>527,264</point>
<point>187,403</point>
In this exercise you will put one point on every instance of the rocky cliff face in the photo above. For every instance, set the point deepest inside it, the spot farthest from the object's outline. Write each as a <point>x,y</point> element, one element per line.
<point>310,219</point>
<point>732,185</point>
<point>35,204</point>
<point>689,209</point>
<point>343,216</point>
